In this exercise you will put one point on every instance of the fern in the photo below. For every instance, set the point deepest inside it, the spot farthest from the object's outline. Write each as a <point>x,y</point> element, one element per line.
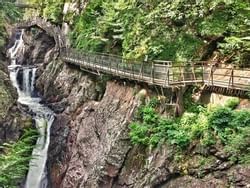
<point>15,159</point>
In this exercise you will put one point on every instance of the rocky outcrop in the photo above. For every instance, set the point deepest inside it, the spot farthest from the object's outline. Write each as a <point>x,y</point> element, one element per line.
<point>96,153</point>
<point>87,115</point>
<point>38,47</point>
<point>12,120</point>
<point>90,144</point>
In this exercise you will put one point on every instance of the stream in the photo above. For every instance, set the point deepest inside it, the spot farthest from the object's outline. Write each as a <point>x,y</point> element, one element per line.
<point>23,79</point>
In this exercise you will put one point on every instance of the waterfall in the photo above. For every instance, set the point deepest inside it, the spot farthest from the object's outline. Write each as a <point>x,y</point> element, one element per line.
<point>17,47</point>
<point>26,81</point>
<point>43,116</point>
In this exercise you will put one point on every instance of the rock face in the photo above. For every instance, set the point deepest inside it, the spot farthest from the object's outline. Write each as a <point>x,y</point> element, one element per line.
<point>12,121</point>
<point>90,145</point>
<point>31,52</point>
<point>92,125</point>
<point>8,123</point>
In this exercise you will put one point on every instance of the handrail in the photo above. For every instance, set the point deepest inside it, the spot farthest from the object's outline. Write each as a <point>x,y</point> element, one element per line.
<point>157,72</point>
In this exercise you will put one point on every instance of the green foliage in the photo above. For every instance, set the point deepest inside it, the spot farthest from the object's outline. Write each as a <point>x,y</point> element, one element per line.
<point>8,14</point>
<point>239,145</point>
<point>189,104</point>
<point>84,35</point>
<point>220,118</point>
<point>172,30</point>
<point>154,102</point>
<point>241,118</point>
<point>238,48</point>
<point>15,160</point>
<point>232,103</point>
<point>53,10</point>
<point>206,126</point>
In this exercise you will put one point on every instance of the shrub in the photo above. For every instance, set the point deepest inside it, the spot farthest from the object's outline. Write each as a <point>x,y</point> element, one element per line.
<point>205,126</point>
<point>154,102</point>
<point>220,118</point>
<point>239,145</point>
<point>138,133</point>
<point>232,103</point>
<point>241,118</point>
<point>15,160</point>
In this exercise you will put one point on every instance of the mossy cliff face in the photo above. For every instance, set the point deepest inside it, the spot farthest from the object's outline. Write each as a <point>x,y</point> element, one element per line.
<point>90,144</point>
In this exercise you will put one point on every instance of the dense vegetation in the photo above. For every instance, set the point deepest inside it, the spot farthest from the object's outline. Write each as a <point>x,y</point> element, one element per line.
<point>49,9</point>
<point>173,30</point>
<point>8,14</point>
<point>205,126</point>
<point>14,161</point>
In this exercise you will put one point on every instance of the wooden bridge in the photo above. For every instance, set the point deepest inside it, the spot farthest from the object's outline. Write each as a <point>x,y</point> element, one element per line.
<point>162,73</point>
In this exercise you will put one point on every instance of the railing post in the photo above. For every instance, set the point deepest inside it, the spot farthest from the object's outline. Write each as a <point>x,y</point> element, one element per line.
<point>109,65</point>
<point>193,70</point>
<point>231,79</point>
<point>203,71</point>
<point>152,72</point>
<point>166,74</point>
<point>141,70</point>
<point>132,69</point>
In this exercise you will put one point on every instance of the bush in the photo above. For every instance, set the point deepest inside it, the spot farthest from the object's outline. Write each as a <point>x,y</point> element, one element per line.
<point>220,118</point>
<point>14,163</point>
<point>239,145</point>
<point>138,133</point>
<point>241,118</point>
<point>205,126</point>
<point>232,103</point>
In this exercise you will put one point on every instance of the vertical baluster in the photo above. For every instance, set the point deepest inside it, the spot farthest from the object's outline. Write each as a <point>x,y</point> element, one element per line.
<point>152,72</point>
<point>141,70</point>
<point>132,67</point>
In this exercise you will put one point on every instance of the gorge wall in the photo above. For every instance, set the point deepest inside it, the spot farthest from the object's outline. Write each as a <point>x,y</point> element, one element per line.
<point>12,119</point>
<point>90,144</point>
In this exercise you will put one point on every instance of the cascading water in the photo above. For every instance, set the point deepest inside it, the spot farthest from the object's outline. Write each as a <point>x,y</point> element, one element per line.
<point>43,116</point>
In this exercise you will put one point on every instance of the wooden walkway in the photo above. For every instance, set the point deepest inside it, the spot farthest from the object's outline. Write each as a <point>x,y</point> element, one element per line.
<point>161,73</point>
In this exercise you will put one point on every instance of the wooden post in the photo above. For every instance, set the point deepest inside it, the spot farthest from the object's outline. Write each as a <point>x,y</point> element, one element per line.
<point>132,65</point>
<point>109,65</point>
<point>152,73</point>
<point>141,70</point>
<point>203,72</point>
<point>232,75</point>
<point>193,71</point>
<point>211,75</point>
<point>166,74</point>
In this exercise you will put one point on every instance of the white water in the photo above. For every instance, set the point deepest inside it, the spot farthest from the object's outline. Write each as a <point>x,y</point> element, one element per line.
<point>43,116</point>
<point>18,47</point>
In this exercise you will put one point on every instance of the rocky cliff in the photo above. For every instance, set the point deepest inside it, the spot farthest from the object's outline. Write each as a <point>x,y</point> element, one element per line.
<point>12,120</point>
<point>90,145</point>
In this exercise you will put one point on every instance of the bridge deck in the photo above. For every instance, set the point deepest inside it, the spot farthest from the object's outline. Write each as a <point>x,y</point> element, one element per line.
<point>164,75</point>
<point>158,73</point>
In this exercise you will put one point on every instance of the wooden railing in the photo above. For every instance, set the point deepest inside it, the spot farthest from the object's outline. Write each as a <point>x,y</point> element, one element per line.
<point>163,74</point>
